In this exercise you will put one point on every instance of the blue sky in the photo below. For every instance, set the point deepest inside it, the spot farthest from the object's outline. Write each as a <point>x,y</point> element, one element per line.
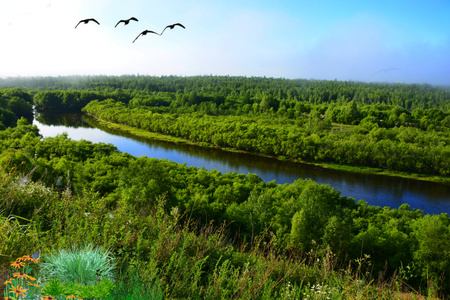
<point>376,41</point>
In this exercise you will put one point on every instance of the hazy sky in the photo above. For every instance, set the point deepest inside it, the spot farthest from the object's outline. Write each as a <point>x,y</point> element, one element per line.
<point>383,40</point>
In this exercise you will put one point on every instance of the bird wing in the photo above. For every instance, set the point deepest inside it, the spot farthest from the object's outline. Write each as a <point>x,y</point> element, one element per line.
<point>119,22</point>
<point>138,36</point>
<point>172,26</point>
<point>168,26</point>
<point>78,23</point>
<point>94,21</point>
<point>134,19</point>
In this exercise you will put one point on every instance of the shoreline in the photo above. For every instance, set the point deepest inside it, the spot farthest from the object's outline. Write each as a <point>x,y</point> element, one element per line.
<point>346,168</point>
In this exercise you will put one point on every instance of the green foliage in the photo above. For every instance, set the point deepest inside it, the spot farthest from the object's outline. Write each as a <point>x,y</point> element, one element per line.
<point>69,101</point>
<point>86,265</point>
<point>197,232</point>
<point>7,117</point>
<point>14,103</point>
<point>131,286</point>
<point>432,255</point>
<point>102,289</point>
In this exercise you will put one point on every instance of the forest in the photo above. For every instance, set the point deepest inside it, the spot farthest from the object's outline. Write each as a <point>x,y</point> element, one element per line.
<point>395,127</point>
<point>232,228</point>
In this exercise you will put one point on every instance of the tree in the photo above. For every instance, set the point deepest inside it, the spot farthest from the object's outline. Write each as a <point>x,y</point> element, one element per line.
<point>318,203</point>
<point>20,107</point>
<point>300,237</point>
<point>432,255</point>
<point>338,234</point>
<point>351,114</point>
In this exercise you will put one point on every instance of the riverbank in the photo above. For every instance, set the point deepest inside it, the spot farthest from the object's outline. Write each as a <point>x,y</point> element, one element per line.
<point>354,169</point>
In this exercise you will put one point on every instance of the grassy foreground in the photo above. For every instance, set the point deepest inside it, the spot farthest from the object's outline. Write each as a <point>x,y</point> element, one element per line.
<point>168,255</point>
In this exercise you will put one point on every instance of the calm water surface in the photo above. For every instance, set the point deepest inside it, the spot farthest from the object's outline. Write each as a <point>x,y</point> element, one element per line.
<point>432,198</point>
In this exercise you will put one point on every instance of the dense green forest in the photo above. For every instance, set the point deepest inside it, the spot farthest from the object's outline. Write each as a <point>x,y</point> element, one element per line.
<point>397,127</point>
<point>255,225</point>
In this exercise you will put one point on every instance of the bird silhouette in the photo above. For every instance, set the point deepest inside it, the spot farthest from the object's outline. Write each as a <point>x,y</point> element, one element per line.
<point>127,21</point>
<point>172,26</point>
<point>144,33</point>
<point>85,21</point>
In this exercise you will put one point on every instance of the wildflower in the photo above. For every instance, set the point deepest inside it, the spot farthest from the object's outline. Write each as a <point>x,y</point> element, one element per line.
<point>8,281</point>
<point>48,298</point>
<point>17,264</point>
<point>26,258</point>
<point>33,284</point>
<point>20,275</point>
<point>18,291</point>
<point>8,298</point>
<point>30,278</point>
<point>70,297</point>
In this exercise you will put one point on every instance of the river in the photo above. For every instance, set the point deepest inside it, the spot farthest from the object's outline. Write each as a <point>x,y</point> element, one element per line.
<point>431,197</point>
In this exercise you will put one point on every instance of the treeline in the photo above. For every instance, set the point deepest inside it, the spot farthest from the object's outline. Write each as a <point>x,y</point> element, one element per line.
<point>308,138</point>
<point>409,96</point>
<point>388,104</point>
<point>249,90</point>
<point>65,101</point>
<point>342,112</point>
<point>297,218</point>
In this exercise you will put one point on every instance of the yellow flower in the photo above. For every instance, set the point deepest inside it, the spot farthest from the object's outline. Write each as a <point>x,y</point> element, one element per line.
<point>17,264</point>
<point>70,297</point>
<point>20,275</point>
<point>33,284</point>
<point>30,278</point>
<point>48,298</point>
<point>8,281</point>
<point>27,258</point>
<point>18,290</point>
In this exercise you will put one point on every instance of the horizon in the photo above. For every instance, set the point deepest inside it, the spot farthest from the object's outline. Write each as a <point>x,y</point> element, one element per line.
<point>383,42</point>
<point>74,76</point>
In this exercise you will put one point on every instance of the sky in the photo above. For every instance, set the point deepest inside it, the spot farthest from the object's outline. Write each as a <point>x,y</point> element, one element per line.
<point>406,41</point>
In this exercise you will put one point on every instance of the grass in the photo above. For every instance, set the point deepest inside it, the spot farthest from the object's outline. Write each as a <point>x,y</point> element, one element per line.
<point>159,254</point>
<point>85,264</point>
<point>132,287</point>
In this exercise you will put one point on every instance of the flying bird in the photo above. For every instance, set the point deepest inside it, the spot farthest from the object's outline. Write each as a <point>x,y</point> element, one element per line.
<point>85,21</point>
<point>127,21</point>
<point>172,26</point>
<point>144,33</point>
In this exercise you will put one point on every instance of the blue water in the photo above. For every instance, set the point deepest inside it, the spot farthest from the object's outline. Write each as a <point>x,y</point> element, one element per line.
<point>432,198</point>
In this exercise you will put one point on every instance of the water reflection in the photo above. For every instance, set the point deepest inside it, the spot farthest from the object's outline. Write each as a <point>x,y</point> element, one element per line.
<point>73,120</point>
<point>378,190</point>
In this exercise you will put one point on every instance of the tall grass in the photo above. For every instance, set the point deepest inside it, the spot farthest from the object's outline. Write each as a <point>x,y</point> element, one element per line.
<point>131,286</point>
<point>160,254</point>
